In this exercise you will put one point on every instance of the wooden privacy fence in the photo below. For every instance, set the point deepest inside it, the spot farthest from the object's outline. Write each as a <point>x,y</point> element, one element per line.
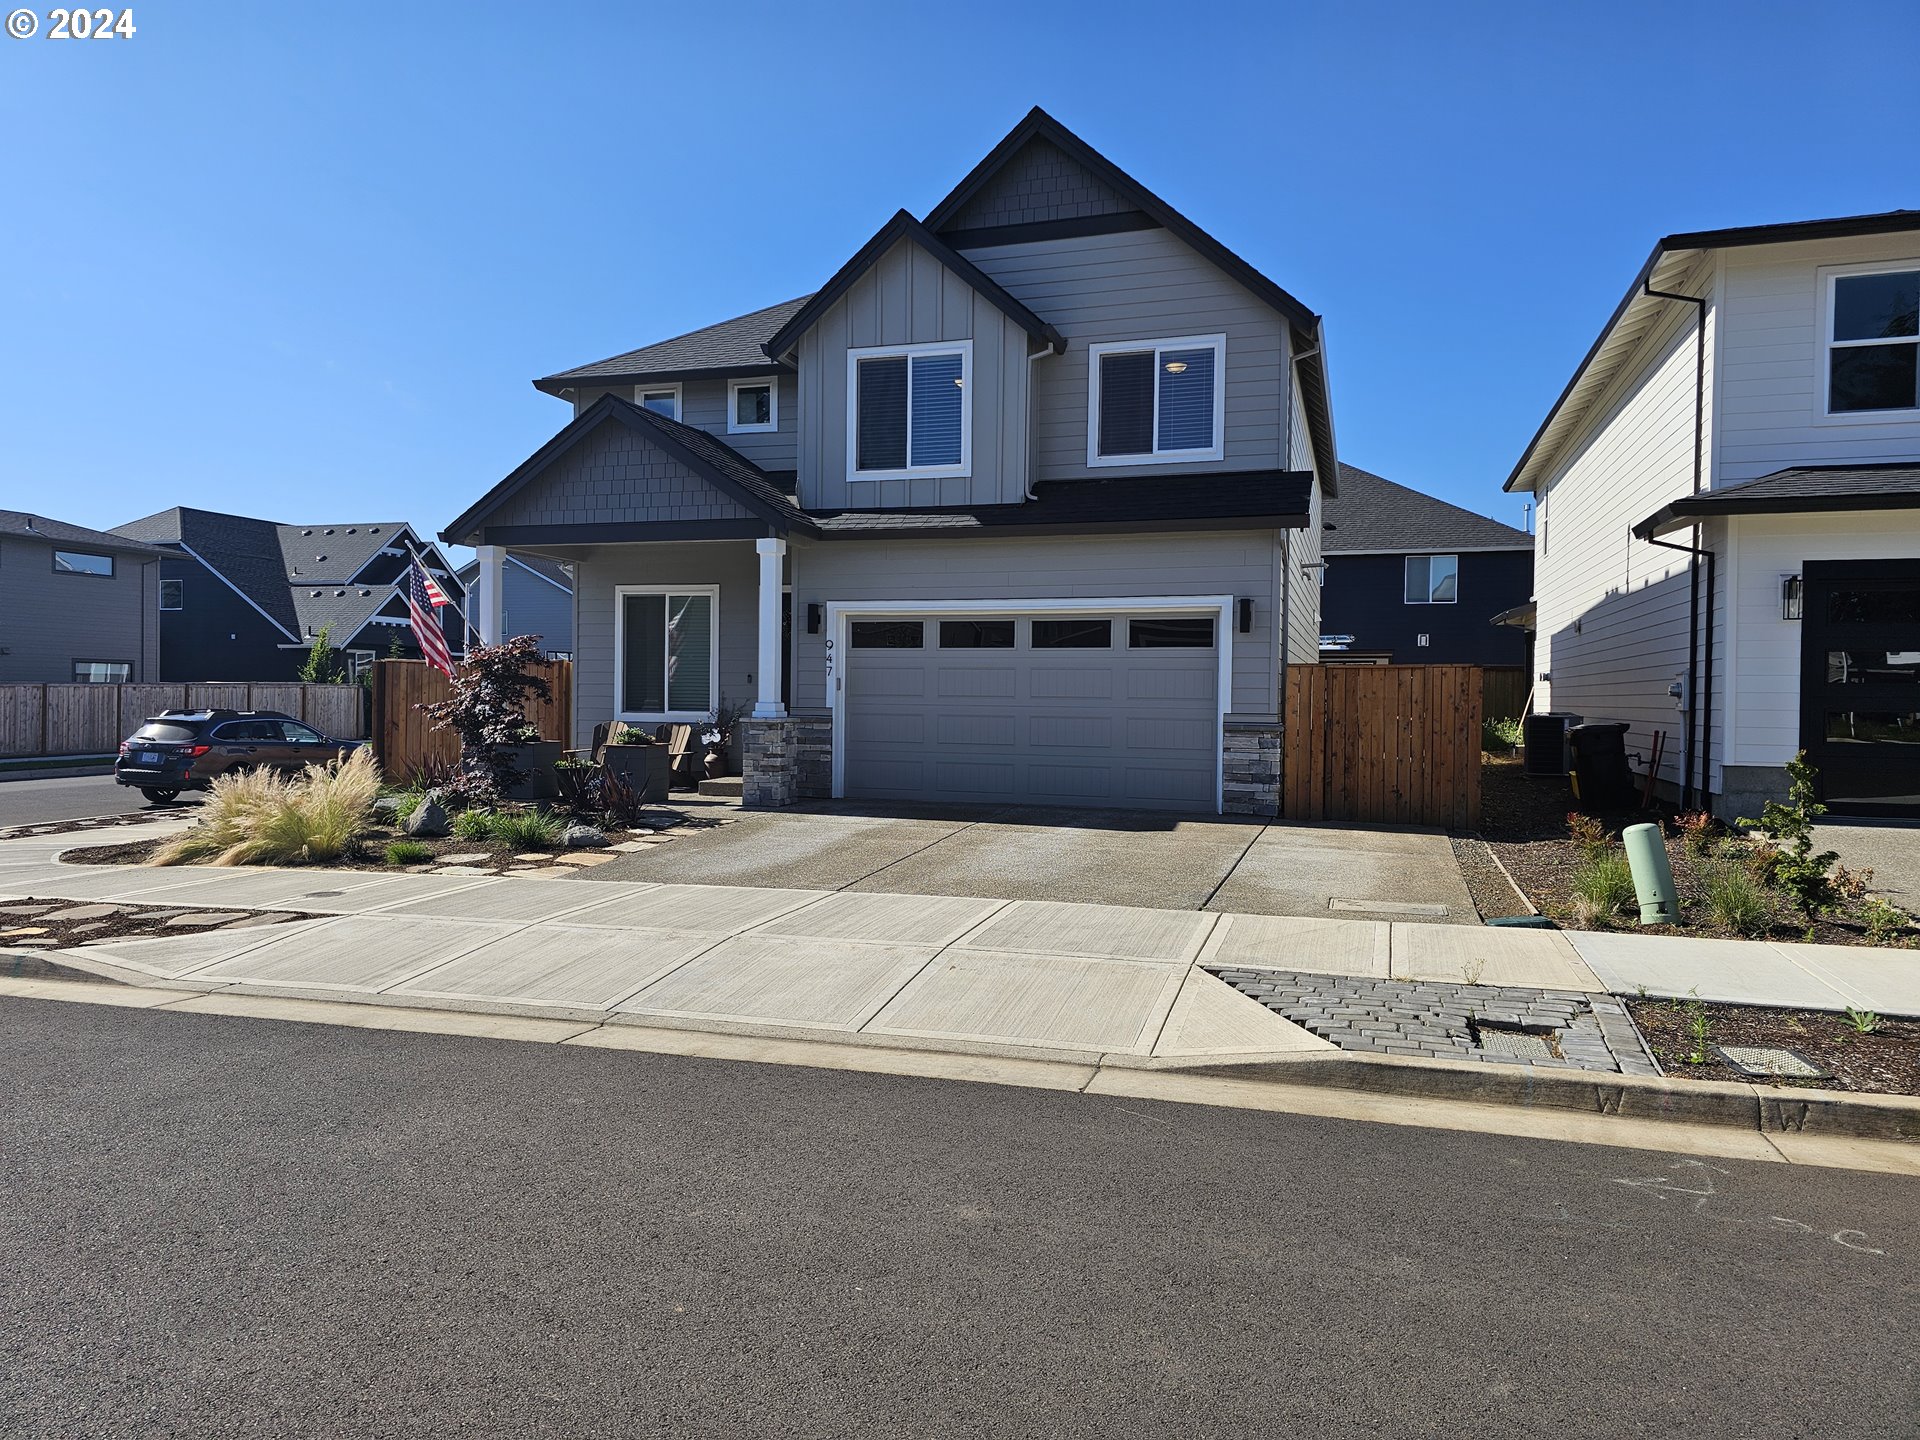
<point>1389,744</point>
<point>94,719</point>
<point>403,736</point>
<point>1503,691</point>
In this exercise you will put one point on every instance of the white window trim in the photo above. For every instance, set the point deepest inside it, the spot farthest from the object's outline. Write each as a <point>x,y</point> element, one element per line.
<point>1431,555</point>
<point>963,348</point>
<point>772,386</point>
<point>620,594</point>
<point>679,405</point>
<point>1218,451</point>
<point>842,613</point>
<point>1830,275</point>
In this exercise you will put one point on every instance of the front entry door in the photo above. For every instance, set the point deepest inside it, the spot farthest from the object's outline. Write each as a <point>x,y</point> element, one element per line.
<point>1860,684</point>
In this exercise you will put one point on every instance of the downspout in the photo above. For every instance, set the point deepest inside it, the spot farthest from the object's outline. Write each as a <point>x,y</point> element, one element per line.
<point>1697,734</point>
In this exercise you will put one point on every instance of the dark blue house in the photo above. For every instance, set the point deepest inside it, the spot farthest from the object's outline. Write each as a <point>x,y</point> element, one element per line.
<point>1412,580</point>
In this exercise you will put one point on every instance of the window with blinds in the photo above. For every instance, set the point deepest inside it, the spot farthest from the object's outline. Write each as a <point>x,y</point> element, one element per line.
<point>667,659</point>
<point>1155,400</point>
<point>910,411</point>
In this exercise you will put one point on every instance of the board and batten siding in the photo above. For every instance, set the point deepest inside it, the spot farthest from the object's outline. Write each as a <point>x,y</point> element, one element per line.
<point>910,298</point>
<point>1143,285</point>
<point>598,571</point>
<point>1613,610</point>
<point>1770,380</point>
<point>1764,719</point>
<point>703,404</point>
<point>1238,564</point>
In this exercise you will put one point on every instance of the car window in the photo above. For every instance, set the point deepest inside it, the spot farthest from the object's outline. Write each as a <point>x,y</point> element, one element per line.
<point>166,734</point>
<point>248,730</point>
<point>301,734</point>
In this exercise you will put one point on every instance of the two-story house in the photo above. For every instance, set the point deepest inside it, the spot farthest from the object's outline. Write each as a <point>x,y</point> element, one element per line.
<point>1727,546</point>
<point>1017,507</point>
<point>242,598</point>
<point>1411,580</point>
<point>76,605</point>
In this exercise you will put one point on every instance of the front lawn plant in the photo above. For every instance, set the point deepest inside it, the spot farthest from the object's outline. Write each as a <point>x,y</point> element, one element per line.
<point>261,817</point>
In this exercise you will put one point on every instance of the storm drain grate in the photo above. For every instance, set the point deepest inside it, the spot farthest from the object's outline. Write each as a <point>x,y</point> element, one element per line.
<point>1528,1044</point>
<point>1770,1062</point>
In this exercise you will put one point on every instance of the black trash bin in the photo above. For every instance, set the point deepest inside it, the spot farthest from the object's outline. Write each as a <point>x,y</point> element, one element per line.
<point>1598,755</point>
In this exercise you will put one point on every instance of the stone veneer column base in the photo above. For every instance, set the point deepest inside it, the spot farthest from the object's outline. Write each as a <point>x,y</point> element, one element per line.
<point>813,755</point>
<point>768,777</point>
<point>1250,767</point>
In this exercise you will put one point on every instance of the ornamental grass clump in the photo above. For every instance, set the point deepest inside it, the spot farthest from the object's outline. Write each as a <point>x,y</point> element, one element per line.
<point>1602,887</point>
<point>1736,901</point>
<point>526,829</point>
<point>260,817</point>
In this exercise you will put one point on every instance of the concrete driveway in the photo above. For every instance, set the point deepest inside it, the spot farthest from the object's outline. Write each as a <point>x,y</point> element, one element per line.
<point>1107,857</point>
<point>1889,848</point>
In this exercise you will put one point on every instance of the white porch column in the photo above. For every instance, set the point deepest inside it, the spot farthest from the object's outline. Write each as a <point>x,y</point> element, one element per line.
<point>489,607</point>
<point>766,704</point>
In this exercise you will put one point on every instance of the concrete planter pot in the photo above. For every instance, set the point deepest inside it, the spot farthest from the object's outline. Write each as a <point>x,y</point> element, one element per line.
<point>646,768</point>
<point>537,761</point>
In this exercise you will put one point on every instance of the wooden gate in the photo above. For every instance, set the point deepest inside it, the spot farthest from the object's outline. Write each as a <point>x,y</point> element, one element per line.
<point>1389,744</point>
<point>403,736</point>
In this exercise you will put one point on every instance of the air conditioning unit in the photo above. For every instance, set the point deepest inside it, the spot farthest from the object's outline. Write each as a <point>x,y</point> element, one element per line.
<point>1543,738</point>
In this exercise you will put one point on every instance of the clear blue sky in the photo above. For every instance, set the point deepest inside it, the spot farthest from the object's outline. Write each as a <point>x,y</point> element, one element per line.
<point>301,260</point>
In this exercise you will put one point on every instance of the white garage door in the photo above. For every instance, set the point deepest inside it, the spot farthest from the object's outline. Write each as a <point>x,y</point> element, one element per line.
<point>1108,710</point>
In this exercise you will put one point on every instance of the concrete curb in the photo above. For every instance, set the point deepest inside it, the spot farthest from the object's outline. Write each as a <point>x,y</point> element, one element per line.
<point>1694,1102</point>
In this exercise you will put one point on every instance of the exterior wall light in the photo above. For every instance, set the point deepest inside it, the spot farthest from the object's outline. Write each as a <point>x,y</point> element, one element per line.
<point>1790,597</point>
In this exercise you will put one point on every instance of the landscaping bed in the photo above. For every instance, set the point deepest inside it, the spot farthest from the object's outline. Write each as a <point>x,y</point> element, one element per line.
<point>1863,1052</point>
<point>1529,826</point>
<point>38,923</point>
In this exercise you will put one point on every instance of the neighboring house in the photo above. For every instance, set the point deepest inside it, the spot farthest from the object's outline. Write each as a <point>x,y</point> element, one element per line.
<point>76,604</point>
<point>536,599</point>
<point>1413,580</point>
<point>243,599</point>
<point>1018,507</point>
<point>1729,508</point>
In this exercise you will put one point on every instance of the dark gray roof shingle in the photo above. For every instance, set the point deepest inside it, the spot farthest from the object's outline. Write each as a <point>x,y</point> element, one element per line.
<point>730,345</point>
<point>1257,497</point>
<point>29,526</point>
<point>1805,489</point>
<point>1373,515</point>
<point>345,549</point>
<point>244,550</point>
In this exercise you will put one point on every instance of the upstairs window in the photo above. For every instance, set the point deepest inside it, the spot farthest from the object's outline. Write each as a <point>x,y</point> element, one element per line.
<point>661,399</point>
<point>81,562</point>
<point>172,594</point>
<point>1433,579</point>
<point>1156,400</point>
<point>909,411</point>
<point>753,406</point>
<point>1873,341</point>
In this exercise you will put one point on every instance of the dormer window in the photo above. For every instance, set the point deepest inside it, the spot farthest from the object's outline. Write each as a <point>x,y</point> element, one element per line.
<point>910,411</point>
<point>661,399</point>
<point>1156,401</point>
<point>753,407</point>
<point>1873,340</point>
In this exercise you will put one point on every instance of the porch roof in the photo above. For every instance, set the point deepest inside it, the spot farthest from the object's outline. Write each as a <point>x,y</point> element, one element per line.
<point>1805,489</point>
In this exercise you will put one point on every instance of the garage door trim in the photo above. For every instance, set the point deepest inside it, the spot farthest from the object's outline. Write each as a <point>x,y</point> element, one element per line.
<point>842,613</point>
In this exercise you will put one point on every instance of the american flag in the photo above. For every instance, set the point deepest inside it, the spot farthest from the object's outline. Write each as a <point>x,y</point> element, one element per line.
<point>423,599</point>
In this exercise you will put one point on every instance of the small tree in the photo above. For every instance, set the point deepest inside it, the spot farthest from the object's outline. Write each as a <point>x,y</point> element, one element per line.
<point>1794,867</point>
<point>322,665</point>
<point>488,711</point>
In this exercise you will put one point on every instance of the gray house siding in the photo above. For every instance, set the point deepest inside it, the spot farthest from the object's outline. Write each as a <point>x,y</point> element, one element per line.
<point>703,403</point>
<point>616,475</point>
<point>910,298</point>
<point>598,571</point>
<point>1235,563</point>
<point>1040,183</point>
<point>49,620</point>
<point>533,605</point>
<point>1143,285</point>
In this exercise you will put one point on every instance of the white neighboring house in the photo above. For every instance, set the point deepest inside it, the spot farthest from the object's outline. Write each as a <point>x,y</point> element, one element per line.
<point>1729,508</point>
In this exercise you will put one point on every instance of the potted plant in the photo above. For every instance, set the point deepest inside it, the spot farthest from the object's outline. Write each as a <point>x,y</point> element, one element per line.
<point>717,737</point>
<point>502,756</point>
<point>641,762</point>
<point>535,759</point>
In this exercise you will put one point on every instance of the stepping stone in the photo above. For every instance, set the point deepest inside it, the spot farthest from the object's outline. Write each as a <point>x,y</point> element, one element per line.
<point>460,870</point>
<point>202,918</point>
<point>627,847</point>
<point>538,857</point>
<point>478,858</point>
<point>583,859</point>
<point>25,909</point>
<point>93,925</point>
<point>25,930</point>
<point>84,912</point>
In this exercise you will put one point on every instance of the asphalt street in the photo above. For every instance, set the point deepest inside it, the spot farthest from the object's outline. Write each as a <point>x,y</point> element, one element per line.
<point>74,797</point>
<point>217,1226</point>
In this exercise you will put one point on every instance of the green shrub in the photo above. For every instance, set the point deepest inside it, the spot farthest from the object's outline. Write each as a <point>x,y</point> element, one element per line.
<point>405,803</point>
<point>1500,737</point>
<point>1793,866</point>
<point>408,852</point>
<point>1603,885</point>
<point>474,824</point>
<point>260,817</point>
<point>526,830</point>
<point>1887,923</point>
<point>1697,832</point>
<point>1589,834</point>
<point>1736,902</point>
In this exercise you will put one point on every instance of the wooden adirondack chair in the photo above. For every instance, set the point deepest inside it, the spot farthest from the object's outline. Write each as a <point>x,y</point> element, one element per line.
<point>682,763</point>
<point>597,751</point>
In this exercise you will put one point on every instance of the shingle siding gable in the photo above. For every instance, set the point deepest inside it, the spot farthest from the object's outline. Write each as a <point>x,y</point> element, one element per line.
<point>1040,183</point>
<point>612,476</point>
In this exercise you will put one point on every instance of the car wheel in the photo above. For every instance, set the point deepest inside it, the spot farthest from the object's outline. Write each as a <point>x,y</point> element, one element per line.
<point>159,794</point>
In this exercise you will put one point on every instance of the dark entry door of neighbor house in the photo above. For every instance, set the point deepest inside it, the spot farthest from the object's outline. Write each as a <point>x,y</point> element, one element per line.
<point>1860,684</point>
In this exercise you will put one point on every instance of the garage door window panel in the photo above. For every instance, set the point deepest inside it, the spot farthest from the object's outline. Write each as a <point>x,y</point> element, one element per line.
<point>668,661</point>
<point>1073,634</point>
<point>1174,633</point>
<point>888,635</point>
<point>976,634</point>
